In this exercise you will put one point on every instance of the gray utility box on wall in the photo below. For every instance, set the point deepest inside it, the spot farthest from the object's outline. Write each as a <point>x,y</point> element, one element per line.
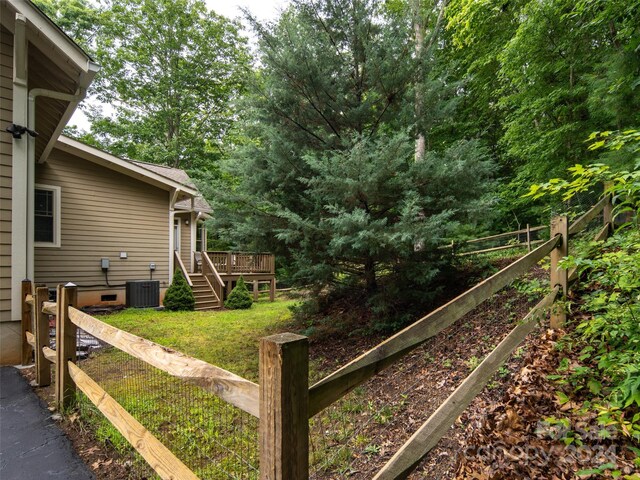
<point>143,293</point>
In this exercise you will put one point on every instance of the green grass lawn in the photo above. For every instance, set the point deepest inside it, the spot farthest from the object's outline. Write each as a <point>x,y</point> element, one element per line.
<point>226,338</point>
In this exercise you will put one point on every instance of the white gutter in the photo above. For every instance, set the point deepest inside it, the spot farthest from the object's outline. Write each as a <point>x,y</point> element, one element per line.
<point>31,162</point>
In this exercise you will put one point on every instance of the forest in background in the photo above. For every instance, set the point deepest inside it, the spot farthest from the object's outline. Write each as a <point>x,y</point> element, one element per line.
<point>361,135</point>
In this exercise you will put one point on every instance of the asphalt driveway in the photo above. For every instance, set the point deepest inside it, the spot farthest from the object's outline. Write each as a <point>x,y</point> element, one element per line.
<point>31,444</point>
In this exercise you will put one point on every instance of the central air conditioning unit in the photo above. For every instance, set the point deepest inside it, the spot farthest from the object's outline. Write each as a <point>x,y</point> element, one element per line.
<point>143,293</point>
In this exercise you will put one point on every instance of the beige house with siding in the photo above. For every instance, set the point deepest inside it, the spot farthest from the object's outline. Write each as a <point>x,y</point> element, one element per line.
<point>67,210</point>
<point>91,206</point>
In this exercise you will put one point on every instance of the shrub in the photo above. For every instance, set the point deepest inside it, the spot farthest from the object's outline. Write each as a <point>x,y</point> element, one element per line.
<point>239,297</point>
<point>179,295</point>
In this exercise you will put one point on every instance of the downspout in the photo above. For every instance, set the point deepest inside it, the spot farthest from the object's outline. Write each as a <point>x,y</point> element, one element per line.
<point>31,163</point>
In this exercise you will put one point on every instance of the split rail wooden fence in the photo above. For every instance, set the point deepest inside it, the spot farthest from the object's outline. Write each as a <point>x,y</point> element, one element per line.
<point>514,239</point>
<point>283,400</point>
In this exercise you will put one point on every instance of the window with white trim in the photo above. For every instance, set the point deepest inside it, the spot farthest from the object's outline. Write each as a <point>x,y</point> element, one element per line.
<point>46,231</point>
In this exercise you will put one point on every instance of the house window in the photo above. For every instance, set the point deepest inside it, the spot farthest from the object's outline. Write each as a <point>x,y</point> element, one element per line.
<point>46,231</point>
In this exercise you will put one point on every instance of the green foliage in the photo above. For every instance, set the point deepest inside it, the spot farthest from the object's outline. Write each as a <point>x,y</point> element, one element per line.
<point>77,18</point>
<point>624,185</point>
<point>330,181</point>
<point>171,70</point>
<point>179,295</point>
<point>539,76</point>
<point>239,298</point>
<point>608,339</point>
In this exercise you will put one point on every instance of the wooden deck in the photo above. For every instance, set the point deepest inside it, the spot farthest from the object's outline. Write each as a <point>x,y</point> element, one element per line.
<point>254,268</point>
<point>236,264</point>
<point>215,273</point>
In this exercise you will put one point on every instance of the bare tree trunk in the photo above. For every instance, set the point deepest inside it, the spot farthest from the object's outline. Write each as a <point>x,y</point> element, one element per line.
<point>418,29</point>
<point>370,275</point>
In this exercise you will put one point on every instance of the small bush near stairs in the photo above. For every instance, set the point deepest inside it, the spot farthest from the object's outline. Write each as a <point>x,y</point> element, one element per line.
<point>239,297</point>
<point>179,295</point>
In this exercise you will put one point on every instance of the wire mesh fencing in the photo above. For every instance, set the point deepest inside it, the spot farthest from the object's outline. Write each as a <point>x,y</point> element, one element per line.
<point>211,437</point>
<point>579,203</point>
<point>356,436</point>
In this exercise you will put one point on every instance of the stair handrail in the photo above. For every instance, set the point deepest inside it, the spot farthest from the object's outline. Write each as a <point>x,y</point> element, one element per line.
<point>211,266</point>
<point>185,274</point>
<point>211,287</point>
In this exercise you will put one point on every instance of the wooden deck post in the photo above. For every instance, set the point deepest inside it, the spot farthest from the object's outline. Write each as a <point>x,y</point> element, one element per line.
<point>27,322</point>
<point>607,212</point>
<point>43,366</point>
<point>256,290</point>
<point>65,345</point>
<point>229,259</point>
<point>272,290</point>
<point>284,407</point>
<point>559,276</point>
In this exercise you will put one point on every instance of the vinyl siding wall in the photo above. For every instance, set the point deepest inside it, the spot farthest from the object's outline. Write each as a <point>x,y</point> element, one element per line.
<point>6,114</point>
<point>103,213</point>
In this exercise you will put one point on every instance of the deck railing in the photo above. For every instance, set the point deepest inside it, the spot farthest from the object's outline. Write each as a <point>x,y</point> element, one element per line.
<point>237,263</point>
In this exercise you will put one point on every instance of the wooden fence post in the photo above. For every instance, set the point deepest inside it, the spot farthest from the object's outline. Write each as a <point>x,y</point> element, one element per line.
<point>43,366</point>
<point>559,276</point>
<point>528,237</point>
<point>607,212</point>
<point>65,345</point>
<point>27,322</point>
<point>284,407</point>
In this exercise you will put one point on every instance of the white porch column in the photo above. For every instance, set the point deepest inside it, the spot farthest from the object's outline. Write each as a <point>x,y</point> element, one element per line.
<point>193,223</point>
<point>173,198</point>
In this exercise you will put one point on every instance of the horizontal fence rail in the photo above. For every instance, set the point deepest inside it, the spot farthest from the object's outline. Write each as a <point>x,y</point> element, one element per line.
<point>501,247</point>
<point>508,234</point>
<point>430,433</point>
<point>230,387</point>
<point>345,379</point>
<point>526,242</point>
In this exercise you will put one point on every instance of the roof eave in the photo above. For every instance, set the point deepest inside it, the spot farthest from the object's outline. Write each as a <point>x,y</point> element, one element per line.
<point>85,80</point>
<point>51,31</point>
<point>112,162</point>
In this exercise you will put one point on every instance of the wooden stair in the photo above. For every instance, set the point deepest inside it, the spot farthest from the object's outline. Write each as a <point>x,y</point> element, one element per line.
<point>206,299</point>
